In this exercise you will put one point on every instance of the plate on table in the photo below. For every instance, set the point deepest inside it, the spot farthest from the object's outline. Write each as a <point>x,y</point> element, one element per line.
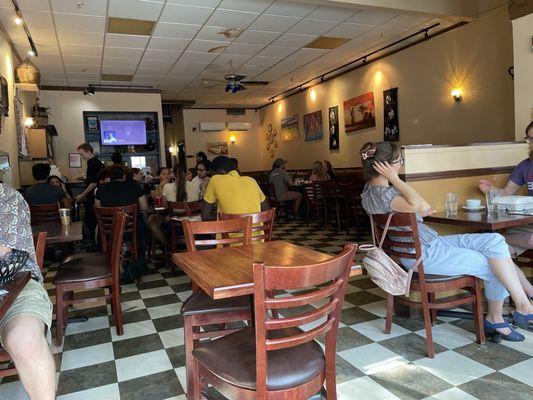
<point>159,208</point>
<point>478,208</point>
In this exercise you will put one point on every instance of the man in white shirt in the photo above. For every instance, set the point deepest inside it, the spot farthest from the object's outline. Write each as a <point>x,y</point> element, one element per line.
<point>198,184</point>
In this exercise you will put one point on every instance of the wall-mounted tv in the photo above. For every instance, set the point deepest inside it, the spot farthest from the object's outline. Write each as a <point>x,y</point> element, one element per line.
<point>122,132</point>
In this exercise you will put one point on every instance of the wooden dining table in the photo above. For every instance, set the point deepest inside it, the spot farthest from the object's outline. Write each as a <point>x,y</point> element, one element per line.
<point>481,220</point>
<point>13,287</point>
<point>58,233</point>
<point>227,271</point>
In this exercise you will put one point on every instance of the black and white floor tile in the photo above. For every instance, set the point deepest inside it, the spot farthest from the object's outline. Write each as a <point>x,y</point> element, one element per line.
<point>147,362</point>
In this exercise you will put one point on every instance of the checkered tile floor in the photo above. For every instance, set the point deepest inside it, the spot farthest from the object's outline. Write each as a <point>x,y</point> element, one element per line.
<point>147,362</point>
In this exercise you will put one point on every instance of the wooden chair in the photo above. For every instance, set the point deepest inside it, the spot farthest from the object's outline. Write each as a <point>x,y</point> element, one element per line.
<point>286,206</point>
<point>263,223</point>
<point>39,241</point>
<point>104,218</point>
<point>45,214</point>
<point>288,362</point>
<point>350,203</point>
<point>83,273</point>
<point>314,202</point>
<point>200,310</point>
<point>177,238</point>
<point>406,244</point>
<point>332,202</point>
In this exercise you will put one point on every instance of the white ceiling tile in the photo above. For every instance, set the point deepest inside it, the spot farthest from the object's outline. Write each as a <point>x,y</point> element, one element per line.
<point>197,56</point>
<point>404,21</point>
<point>177,80</point>
<point>205,45</point>
<point>250,71</point>
<point>123,52</point>
<point>82,59</point>
<point>50,48</point>
<point>135,9</point>
<point>236,60</point>
<point>33,5</point>
<point>80,50</point>
<point>332,13</point>
<point>139,79</point>
<point>185,14</point>
<point>263,61</point>
<point>246,5</point>
<point>274,23</point>
<point>257,37</point>
<point>54,75</point>
<point>347,30</point>
<point>83,77</point>
<point>153,73</point>
<point>167,29</point>
<point>187,67</point>
<point>120,61</point>
<point>75,37</point>
<point>74,68</point>
<point>46,34</point>
<point>231,19</point>
<point>53,60</point>
<point>78,22</point>
<point>293,40</point>
<point>308,26</point>
<point>92,7</point>
<point>119,40</point>
<point>160,63</point>
<point>212,33</point>
<point>82,83</point>
<point>162,54</point>
<point>53,82</point>
<point>371,17</point>
<point>291,9</point>
<point>38,19</point>
<point>124,70</point>
<point>163,43</point>
<point>243,49</point>
<point>199,3</point>
<point>277,51</point>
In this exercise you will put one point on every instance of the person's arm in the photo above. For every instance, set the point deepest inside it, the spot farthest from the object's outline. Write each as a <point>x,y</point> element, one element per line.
<point>209,211</point>
<point>97,203</point>
<point>143,203</point>
<point>264,205</point>
<point>410,200</point>
<point>209,203</point>
<point>509,189</point>
<point>66,202</point>
<point>83,195</point>
<point>288,178</point>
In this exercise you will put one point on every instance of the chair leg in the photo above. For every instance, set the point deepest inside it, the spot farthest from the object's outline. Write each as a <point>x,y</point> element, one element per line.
<point>331,379</point>
<point>189,361</point>
<point>433,312</point>
<point>427,323</point>
<point>390,313</point>
<point>478,313</point>
<point>117,310</point>
<point>59,315</point>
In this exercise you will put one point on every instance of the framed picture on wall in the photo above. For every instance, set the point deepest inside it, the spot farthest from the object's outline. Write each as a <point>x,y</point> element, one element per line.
<point>4,97</point>
<point>289,128</point>
<point>92,124</point>
<point>333,118</point>
<point>359,113</point>
<point>4,161</point>
<point>217,148</point>
<point>313,126</point>
<point>391,130</point>
<point>74,160</point>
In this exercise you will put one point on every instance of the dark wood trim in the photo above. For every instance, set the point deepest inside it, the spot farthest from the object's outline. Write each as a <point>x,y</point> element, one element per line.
<point>460,173</point>
<point>99,89</point>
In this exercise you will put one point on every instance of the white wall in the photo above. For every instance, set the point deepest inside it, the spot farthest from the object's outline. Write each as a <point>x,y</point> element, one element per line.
<point>66,113</point>
<point>246,147</point>
<point>523,73</point>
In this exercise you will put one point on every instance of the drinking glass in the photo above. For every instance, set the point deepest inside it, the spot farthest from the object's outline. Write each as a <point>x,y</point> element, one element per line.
<point>64,214</point>
<point>490,196</point>
<point>451,203</point>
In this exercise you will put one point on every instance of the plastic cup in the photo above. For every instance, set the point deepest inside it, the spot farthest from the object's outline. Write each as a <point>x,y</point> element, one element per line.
<point>64,215</point>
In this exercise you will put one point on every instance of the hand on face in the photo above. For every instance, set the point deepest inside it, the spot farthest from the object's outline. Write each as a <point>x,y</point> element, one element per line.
<point>385,169</point>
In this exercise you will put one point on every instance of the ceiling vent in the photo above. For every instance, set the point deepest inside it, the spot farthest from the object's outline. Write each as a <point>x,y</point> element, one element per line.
<point>326,42</point>
<point>126,26</point>
<point>116,78</point>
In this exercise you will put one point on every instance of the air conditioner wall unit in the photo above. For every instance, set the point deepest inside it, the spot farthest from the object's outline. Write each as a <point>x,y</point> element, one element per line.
<point>239,126</point>
<point>212,126</point>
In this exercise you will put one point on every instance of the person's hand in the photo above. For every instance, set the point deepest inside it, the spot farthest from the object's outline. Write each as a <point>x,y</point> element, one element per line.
<point>4,250</point>
<point>385,169</point>
<point>427,212</point>
<point>63,186</point>
<point>485,185</point>
<point>80,198</point>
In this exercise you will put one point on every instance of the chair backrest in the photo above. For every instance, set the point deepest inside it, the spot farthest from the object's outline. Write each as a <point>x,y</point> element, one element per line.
<point>45,214</point>
<point>263,223</point>
<point>402,238</point>
<point>331,275</point>
<point>234,231</point>
<point>120,220</point>
<point>39,241</point>
<point>184,208</point>
<point>105,216</point>
<point>268,190</point>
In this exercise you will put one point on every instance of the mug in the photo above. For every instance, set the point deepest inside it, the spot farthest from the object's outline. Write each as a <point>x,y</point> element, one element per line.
<point>472,203</point>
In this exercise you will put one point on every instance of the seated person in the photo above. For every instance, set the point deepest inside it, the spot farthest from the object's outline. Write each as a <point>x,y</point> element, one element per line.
<point>191,174</point>
<point>199,182</point>
<point>177,191</point>
<point>25,328</point>
<point>281,181</point>
<point>329,169</point>
<point>55,180</point>
<point>519,238</point>
<point>230,193</point>
<point>484,255</point>
<point>155,221</point>
<point>318,173</point>
<point>42,192</point>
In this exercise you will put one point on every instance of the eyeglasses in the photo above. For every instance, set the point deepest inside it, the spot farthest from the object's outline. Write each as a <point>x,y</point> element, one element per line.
<point>529,139</point>
<point>401,160</point>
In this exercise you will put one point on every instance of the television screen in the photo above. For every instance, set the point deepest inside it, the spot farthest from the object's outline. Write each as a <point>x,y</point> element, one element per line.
<point>116,133</point>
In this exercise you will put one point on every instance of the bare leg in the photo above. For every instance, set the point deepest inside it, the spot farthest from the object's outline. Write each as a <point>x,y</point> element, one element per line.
<point>495,314</point>
<point>528,287</point>
<point>25,342</point>
<point>505,271</point>
<point>154,223</point>
<point>297,202</point>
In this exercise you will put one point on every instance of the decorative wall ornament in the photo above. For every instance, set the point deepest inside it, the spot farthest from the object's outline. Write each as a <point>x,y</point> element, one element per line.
<point>359,113</point>
<point>391,127</point>
<point>27,72</point>
<point>4,97</point>
<point>22,140</point>
<point>313,126</point>
<point>290,129</point>
<point>217,148</point>
<point>333,118</point>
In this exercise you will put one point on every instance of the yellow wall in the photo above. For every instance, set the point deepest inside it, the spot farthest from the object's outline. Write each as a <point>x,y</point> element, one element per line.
<point>523,73</point>
<point>475,57</point>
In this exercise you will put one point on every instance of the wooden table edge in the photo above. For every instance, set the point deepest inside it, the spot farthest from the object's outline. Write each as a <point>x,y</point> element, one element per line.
<point>18,286</point>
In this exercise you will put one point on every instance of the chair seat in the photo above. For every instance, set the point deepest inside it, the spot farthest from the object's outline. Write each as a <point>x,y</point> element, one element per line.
<point>200,303</point>
<point>287,368</point>
<point>82,272</point>
<point>431,278</point>
<point>85,259</point>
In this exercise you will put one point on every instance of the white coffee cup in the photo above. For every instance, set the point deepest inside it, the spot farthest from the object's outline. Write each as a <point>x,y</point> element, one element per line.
<point>473,203</point>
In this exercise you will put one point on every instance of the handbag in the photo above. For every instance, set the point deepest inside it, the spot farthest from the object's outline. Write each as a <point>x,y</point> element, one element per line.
<point>11,263</point>
<point>382,269</point>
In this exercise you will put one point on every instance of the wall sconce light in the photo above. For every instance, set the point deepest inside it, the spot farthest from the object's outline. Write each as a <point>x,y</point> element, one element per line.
<point>312,95</point>
<point>232,139</point>
<point>28,122</point>
<point>171,150</point>
<point>457,94</point>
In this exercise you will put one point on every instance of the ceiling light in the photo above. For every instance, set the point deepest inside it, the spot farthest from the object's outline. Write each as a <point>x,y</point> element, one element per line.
<point>31,53</point>
<point>18,20</point>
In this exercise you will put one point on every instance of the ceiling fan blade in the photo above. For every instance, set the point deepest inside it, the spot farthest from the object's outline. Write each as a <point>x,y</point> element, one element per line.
<point>255,83</point>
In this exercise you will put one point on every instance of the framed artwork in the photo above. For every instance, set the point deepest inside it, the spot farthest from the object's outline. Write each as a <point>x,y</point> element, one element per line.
<point>74,160</point>
<point>289,128</point>
<point>313,126</point>
<point>333,119</point>
<point>92,124</point>
<point>22,140</point>
<point>217,148</point>
<point>359,113</point>
<point>4,96</point>
<point>4,161</point>
<point>391,127</point>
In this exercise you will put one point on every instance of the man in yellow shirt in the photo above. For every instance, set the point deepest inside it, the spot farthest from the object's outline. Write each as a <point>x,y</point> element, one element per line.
<point>230,193</point>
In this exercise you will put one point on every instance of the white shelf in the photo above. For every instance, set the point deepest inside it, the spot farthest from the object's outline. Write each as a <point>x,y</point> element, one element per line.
<point>26,87</point>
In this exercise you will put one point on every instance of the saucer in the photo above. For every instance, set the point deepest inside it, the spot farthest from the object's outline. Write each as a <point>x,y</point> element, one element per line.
<point>478,208</point>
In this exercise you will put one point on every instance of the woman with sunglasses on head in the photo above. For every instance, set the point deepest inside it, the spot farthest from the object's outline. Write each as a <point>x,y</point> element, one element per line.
<point>484,255</point>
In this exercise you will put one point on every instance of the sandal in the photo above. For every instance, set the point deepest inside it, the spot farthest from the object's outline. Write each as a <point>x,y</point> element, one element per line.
<point>496,336</point>
<point>522,320</point>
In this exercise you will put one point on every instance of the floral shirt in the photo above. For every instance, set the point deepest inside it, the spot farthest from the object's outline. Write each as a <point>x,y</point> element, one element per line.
<point>15,228</point>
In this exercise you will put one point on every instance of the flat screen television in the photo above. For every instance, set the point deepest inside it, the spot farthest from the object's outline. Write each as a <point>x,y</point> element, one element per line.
<point>122,132</point>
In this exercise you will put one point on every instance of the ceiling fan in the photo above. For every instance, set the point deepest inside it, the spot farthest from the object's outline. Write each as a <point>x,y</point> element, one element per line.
<point>234,82</point>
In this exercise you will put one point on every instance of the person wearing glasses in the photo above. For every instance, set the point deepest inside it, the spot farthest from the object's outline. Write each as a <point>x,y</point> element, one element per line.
<point>520,238</point>
<point>198,183</point>
<point>484,255</point>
